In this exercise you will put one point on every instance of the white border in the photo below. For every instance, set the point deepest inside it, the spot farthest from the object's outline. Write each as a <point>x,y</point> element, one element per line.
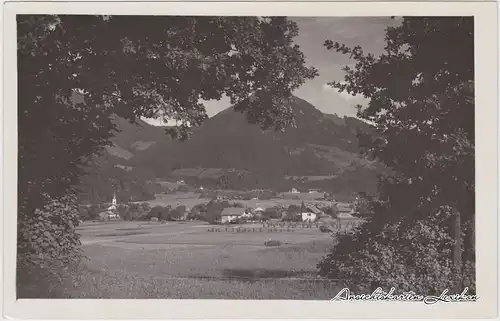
<point>486,171</point>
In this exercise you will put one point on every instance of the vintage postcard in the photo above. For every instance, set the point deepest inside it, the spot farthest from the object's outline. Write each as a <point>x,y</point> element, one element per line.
<point>250,160</point>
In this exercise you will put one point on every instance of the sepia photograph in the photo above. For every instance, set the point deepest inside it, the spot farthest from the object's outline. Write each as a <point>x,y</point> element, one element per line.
<point>247,157</point>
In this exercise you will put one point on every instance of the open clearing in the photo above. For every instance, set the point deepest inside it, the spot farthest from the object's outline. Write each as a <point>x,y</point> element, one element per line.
<point>185,260</point>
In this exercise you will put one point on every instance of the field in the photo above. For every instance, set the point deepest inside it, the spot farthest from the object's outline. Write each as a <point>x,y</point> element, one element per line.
<point>189,260</point>
<point>190,199</point>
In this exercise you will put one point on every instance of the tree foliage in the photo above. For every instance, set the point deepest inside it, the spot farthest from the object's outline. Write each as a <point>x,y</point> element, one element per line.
<point>161,69</point>
<point>422,104</point>
<point>411,255</point>
<point>421,93</point>
<point>76,71</point>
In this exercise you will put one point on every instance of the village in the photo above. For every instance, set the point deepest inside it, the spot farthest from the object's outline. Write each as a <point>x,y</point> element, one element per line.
<point>293,206</point>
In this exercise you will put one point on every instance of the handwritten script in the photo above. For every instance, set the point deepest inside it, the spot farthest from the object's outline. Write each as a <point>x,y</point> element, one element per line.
<point>409,296</point>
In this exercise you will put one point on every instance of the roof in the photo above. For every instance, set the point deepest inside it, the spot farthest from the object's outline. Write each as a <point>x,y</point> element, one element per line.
<point>233,211</point>
<point>343,207</point>
<point>313,209</point>
<point>345,215</point>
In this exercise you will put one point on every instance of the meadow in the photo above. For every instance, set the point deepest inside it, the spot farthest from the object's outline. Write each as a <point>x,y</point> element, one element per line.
<point>190,199</point>
<point>187,260</point>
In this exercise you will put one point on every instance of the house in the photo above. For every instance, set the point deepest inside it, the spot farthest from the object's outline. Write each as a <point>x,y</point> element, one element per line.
<point>258,210</point>
<point>247,215</point>
<point>345,216</point>
<point>111,213</point>
<point>230,214</point>
<point>113,204</point>
<point>294,190</point>
<point>108,215</point>
<point>103,216</point>
<point>310,217</point>
<point>310,213</point>
<point>344,208</point>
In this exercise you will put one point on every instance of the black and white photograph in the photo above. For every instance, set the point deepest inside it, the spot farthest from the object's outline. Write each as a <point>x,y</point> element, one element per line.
<point>248,157</point>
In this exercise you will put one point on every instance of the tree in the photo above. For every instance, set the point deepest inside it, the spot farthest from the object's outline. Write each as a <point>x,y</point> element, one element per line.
<point>178,212</point>
<point>333,211</point>
<point>214,210</point>
<point>75,72</point>
<point>421,95</point>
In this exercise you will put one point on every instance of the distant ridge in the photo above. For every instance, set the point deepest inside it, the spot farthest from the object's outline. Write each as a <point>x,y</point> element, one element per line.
<point>322,145</point>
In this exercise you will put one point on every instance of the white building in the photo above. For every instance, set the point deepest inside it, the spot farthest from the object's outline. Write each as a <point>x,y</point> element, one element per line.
<point>230,214</point>
<point>258,210</point>
<point>308,217</point>
<point>112,210</point>
<point>345,215</point>
<point>113,206</point>
<point>310,213</point>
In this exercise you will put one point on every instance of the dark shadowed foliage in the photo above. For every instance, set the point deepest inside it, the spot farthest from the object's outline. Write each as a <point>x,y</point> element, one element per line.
<point>422,105</point>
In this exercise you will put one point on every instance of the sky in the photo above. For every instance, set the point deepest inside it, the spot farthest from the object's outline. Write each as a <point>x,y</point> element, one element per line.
<point>368,32</point>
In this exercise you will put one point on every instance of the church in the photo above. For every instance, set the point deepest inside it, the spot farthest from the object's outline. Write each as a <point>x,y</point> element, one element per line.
<point>113,209</point>
<point>111,212</point>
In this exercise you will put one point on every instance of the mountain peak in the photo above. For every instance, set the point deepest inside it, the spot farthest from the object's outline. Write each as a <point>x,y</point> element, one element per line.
<point>321,146</point>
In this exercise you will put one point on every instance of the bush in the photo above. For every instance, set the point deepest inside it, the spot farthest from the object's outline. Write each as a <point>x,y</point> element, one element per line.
<point>160,212</point>
<point>123,211</point>
<point>239,205</point>
<point>272,213</point>
<point>94,211</point>
<point>409,255</point>
<point>272,243</point>
<point>47,243</point>
<point>240,220</point>
<point>83,213</point>
<point>136,212</point>
<point>325,229</point>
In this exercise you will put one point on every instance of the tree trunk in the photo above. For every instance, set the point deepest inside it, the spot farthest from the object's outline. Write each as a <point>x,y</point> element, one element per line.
<point>457,248</point>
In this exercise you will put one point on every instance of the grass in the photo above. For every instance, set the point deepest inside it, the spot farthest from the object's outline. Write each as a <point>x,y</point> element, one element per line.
<point>148,260</point>
<point>98,284</point>
<point>120,234</point>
